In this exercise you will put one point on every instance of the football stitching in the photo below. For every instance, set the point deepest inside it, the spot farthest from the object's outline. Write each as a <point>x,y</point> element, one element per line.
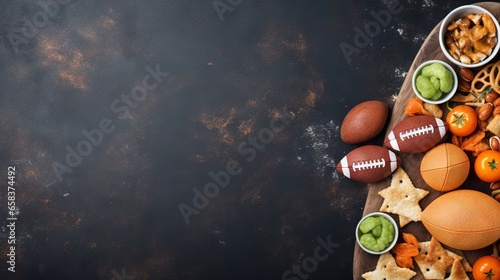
<point>370,164</point>
<point>419,131</point>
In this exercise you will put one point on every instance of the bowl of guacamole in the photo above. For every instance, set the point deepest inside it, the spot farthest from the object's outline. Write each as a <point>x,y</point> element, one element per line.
<point>435,82</point>
<point>377,233</point>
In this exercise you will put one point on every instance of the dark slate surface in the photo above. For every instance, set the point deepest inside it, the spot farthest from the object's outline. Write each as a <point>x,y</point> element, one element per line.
<point>120,115</point>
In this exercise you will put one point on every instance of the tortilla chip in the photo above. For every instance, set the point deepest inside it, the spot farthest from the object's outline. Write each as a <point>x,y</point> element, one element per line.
<point>467,266</point>
<point>457,272</point>
<point>494,125</point>
<point>460,257</point>
<point>403,221</point>
<point>388,269</point>
<point>433,260</point>
<point>402,198</point>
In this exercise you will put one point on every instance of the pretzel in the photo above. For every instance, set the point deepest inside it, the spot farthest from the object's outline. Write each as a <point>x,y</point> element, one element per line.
<point>483,78</point>
<point>495,77</point>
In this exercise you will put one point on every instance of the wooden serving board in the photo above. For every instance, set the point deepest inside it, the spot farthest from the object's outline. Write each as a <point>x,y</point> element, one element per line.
<point>363,261</point>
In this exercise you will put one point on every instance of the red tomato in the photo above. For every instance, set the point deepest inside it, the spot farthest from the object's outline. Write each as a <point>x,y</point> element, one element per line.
<point>462,120</point>
<point>487,166</point>
<point>486,268</point>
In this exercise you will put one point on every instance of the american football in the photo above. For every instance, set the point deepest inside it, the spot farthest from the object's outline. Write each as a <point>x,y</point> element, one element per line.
<point>416,134</point>
<point>457,220</point>
<point>368,164</point>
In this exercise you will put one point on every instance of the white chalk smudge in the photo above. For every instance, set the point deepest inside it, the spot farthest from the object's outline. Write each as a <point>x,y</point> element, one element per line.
<point>21,161</point>
<point>50,184</point>
<point>319,141</point>
<point>400,73</point>
<point>419,38</point>
<point>394,98</point>
<point>428,4</point>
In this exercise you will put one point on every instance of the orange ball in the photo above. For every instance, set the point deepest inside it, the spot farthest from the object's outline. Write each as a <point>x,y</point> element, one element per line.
<point>457,219</point>
<point>445,167</point>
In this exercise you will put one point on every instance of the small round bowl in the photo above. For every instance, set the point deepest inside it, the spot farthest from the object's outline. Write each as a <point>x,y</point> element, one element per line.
<point>446,96</point>
<point>391,245</point>
<point>459,13</point>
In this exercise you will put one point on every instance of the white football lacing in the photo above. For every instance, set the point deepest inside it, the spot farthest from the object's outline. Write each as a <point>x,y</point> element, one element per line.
<point>371,164</point>
<point>429,129</point>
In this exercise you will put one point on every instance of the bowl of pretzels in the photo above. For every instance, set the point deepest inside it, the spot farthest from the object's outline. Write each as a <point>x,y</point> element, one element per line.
<point>468,36</point>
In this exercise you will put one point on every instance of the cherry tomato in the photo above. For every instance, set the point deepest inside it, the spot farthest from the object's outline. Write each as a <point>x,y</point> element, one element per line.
<point>487,166</point>
<point>462,120</point>
<point>486,268</point>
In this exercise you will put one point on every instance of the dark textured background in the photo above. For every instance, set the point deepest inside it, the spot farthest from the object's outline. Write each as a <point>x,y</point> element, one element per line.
<point>116,215</point>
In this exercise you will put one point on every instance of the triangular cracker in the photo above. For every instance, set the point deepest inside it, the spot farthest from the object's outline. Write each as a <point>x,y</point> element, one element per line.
<point>402,198</point>
<point>433,259</point>
<point>462,259</point>
<point>403,221</point>
<point>388,269</point>
<point>457,272</point>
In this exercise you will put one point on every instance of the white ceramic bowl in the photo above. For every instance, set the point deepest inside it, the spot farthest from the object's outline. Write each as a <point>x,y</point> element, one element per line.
<point>446,96</point>
<point>459,13</point>
<point>391,245</point>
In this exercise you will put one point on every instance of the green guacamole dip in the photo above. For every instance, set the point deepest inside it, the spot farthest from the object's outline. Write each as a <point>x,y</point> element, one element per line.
<point>376,233</point>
